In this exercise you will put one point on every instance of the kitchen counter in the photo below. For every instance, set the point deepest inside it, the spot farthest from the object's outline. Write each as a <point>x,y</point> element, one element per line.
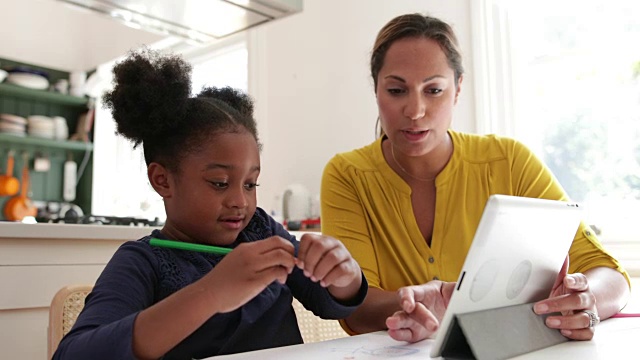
<point>18,230</point>
<point>36,260</point>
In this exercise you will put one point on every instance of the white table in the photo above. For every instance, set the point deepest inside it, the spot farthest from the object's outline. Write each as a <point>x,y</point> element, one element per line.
<point>614,339</point>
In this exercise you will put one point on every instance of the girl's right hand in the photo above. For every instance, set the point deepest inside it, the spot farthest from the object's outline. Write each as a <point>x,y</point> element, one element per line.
<point>247,270</point>
<point>423,307</point>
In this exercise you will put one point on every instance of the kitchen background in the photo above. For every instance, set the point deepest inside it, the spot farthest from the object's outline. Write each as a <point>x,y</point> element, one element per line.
<point>307,71</point>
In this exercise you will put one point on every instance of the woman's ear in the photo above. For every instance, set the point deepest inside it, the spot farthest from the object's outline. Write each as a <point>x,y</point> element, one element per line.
<point>159,177</point>
<point>458,86</point>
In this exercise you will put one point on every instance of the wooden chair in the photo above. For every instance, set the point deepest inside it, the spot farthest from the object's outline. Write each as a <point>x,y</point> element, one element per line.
<point>65,308</point>
<point>69,301</point>
<point>313,328</point>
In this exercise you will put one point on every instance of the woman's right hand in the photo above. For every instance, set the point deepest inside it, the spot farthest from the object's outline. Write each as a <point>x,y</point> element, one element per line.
<point>423,307</point>
<point>247,270</point>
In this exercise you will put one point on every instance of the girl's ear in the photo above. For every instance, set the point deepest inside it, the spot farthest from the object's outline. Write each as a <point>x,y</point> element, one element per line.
<point>159,177</point>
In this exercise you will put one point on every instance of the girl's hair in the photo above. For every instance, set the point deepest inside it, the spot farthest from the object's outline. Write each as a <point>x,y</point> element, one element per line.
<point>152,106</point>
<point>416,26</point>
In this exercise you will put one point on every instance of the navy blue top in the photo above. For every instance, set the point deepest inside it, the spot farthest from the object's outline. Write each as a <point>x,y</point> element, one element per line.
<point>139,275</point>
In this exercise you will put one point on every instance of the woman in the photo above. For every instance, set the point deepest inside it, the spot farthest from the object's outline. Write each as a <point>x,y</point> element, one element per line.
<point>407,205</point>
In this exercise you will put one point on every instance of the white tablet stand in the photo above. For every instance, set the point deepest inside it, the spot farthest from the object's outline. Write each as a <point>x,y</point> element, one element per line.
<point>499,334</point>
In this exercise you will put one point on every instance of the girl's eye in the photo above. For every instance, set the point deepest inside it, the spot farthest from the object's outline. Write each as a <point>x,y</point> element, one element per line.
<point>251,186</point>
<point>434,91</point>
<point>219,184</point>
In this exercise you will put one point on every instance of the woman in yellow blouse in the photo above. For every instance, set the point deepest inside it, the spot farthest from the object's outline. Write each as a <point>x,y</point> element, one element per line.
<point>407,205</point>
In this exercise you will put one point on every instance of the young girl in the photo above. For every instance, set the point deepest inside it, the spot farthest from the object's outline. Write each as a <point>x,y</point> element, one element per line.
<point>203,158</point>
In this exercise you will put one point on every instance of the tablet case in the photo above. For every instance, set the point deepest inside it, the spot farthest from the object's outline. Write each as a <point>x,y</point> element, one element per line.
<point>499,334</point>
<point>517,251</point>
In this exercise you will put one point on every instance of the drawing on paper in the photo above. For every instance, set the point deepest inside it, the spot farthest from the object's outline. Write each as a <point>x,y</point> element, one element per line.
<point>385,351</point>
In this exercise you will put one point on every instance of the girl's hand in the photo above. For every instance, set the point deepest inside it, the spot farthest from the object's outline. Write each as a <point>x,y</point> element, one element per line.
<point>571,297</point>
<point>325,260</point>
<point>423,307</point>
<point>247,270</point>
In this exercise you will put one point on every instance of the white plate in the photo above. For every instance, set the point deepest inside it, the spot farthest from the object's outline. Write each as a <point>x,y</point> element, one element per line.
<point>12,131</point>
<point>40,133</point>
<point>31,81</point>
<point>13,118</point>
<point>11,126</point>
<point>40,119</point>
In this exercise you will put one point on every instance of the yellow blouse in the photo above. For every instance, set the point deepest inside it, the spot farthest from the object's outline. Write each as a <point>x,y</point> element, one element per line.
<point>367,206</point>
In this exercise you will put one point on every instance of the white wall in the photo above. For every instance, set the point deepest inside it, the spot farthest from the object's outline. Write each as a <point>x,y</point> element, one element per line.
<point>51,34</point>
<point>314,96</point>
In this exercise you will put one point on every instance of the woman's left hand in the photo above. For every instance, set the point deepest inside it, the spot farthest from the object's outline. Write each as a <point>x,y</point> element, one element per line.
<point>575,302</point>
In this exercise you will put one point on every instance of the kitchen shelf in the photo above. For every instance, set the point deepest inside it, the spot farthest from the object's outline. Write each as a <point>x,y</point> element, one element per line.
<point>47,185</point>
<point>49,143</point>
<point>41,95</point>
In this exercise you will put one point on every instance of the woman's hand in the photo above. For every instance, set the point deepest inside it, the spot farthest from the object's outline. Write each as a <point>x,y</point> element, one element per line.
<point>573,299</point>
<point>423,307</point>
<point>325,260</point>
<point>247,270</point>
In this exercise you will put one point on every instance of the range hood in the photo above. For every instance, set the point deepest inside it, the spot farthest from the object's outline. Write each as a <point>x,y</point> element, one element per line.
<point>199,21</point>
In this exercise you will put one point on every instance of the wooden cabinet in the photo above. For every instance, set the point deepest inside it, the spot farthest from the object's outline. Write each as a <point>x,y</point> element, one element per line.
<point>38,259</point>
<point>46,185</point>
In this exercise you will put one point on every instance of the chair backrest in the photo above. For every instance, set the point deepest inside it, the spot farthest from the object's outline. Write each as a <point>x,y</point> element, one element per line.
<point>314,328</point>
<point>65,308</point>
<point>69,301</point>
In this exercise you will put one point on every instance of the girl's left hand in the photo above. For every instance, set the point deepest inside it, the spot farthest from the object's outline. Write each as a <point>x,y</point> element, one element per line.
<point>573,299</point>
<point>325,260</point>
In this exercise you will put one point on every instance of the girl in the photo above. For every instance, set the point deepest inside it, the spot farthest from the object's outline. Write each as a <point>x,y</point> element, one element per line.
<point>202,156</point>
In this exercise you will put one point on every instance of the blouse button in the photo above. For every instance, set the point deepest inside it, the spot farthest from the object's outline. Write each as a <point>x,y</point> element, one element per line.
<point>431,259</point>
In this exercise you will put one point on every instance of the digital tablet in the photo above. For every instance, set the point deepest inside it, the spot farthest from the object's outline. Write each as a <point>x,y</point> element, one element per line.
<point>517,251</point>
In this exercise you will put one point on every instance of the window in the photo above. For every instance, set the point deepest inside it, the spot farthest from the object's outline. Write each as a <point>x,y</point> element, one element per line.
<point>225,67</point>
<point>568,73</point>
<point>131,194</point>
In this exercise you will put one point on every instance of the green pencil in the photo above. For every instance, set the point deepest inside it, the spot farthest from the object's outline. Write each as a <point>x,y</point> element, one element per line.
<point>189,246</point>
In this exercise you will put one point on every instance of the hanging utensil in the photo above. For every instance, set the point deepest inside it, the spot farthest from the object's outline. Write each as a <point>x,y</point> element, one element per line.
<point>20,206</point>
<point>9,184</point>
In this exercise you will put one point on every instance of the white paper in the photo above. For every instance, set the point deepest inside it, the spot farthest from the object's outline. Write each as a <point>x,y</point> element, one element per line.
<point>372,346</point>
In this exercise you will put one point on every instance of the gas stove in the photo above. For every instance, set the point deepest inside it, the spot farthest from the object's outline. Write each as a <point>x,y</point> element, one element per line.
<point>67,213</point>
<point>103,220</point>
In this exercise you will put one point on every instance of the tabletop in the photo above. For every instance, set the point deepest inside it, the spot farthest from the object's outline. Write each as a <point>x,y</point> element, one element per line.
<point>614,339</point>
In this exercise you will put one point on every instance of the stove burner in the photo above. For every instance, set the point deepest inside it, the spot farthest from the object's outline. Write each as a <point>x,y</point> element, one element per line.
<point>104,220</point>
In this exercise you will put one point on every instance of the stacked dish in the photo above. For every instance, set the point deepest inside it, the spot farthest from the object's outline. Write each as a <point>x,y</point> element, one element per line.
<point>61,129</point>
<point>29,78</point>
<point>12,124</point>
<point>41,126</point>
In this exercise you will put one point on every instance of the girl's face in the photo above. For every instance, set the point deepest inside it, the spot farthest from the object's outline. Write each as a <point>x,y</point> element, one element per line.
<point>214,195</point>
<point>416,93</point>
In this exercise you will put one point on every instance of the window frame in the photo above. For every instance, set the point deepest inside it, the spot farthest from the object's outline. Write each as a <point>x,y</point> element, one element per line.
<point>494,88</point>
